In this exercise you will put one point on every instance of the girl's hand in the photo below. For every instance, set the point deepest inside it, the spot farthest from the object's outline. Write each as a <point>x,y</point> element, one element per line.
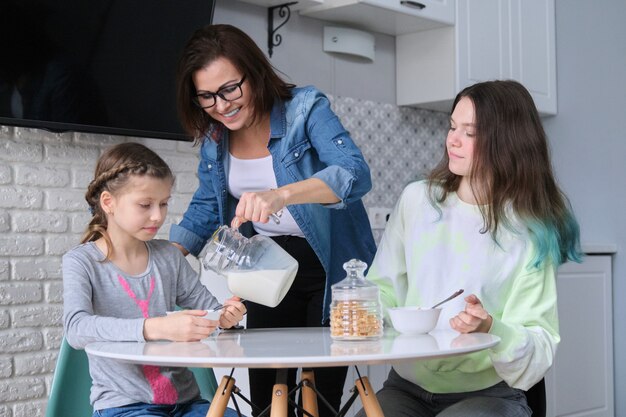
<point>182,326</point>
<point>233,313</point>
<point>258,206</point>
<point>473,319</point>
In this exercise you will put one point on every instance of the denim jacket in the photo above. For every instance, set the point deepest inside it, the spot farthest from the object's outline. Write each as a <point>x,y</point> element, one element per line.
<point>307,140</point>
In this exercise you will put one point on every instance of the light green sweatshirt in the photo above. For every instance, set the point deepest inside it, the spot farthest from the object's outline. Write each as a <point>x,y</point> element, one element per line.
<point>424,257</point>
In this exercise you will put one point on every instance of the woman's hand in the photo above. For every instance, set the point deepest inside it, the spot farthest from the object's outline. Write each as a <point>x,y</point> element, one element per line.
<point>473,319</point>
<point>182,326</point>
<point>233,313</point>
<point>257,206</point>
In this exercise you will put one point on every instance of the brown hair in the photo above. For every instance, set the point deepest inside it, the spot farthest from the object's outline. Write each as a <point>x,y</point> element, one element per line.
<point>511,164</point>
<point>225,41</point>
<point>114,169</point>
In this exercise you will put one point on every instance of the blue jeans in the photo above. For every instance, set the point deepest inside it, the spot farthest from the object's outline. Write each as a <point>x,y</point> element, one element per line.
<point>192,409</point>
<point>401,398</point>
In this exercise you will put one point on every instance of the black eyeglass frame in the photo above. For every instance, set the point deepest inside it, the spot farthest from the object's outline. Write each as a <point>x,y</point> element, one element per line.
<point>219,94</point>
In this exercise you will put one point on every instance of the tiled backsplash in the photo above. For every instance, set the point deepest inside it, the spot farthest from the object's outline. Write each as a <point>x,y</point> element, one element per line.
<point>43,177</point>
<point>401,144</point>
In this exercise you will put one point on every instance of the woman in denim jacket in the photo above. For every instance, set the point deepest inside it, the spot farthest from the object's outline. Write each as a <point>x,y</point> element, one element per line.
<point>268,148</point>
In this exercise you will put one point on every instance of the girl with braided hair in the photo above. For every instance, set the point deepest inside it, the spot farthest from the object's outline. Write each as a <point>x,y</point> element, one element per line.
<point>119,283</point>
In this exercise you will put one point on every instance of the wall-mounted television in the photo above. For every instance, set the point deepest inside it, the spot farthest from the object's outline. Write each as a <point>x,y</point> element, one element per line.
<point>101,66</point>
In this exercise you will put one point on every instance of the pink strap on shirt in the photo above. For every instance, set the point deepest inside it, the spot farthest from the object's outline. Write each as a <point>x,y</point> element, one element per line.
<point>163,390</point>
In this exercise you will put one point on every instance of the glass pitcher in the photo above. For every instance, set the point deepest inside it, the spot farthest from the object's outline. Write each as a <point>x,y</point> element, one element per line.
<point>355,310</point>
<point>256,269</point>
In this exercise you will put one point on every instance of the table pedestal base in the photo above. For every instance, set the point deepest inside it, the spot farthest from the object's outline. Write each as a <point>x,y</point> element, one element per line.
<point>279,401</point>
<point>368,398</point>
<point>309,395</point>
<point>362,387</point>
<point>280,397</point>
<point>221,397</point>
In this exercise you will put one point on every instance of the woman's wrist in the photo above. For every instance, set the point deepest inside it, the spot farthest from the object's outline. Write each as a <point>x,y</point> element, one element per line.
<point>312,190</point>
<point>284,193</point>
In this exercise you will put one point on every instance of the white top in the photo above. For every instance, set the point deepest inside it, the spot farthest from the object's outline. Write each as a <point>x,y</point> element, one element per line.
<point>292,348</point>
<point>247,175</point>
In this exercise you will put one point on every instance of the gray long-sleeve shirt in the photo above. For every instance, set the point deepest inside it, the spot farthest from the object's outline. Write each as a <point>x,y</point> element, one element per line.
<point>102,303</point>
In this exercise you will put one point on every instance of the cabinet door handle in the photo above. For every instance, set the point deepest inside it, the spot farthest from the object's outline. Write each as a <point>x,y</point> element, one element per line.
<point>413,4</point>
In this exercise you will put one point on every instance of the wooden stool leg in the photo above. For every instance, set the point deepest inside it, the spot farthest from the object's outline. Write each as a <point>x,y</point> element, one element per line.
<point>279,401</point>
<point>221,397</point>
<point>309,397</point>
<point>368,398</point>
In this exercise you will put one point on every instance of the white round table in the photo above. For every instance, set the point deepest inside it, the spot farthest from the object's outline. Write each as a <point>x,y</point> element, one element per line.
<point>310,347</point>
<point>293,347</point>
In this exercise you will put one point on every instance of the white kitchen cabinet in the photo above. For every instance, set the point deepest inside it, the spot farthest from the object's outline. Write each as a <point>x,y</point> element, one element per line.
<point>392,17</point>
<point>492,39</point>
<point>581,381</point>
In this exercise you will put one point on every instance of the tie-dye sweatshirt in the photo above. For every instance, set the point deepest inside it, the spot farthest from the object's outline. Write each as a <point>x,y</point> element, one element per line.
<point>102,303</point>
<point>426,255</point>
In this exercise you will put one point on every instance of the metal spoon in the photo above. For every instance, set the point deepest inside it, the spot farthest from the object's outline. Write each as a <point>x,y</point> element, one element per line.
<point>238,221</point>
<point>459,292</point>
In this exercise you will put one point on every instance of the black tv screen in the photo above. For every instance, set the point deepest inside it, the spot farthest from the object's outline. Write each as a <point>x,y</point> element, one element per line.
<point>101,66</point>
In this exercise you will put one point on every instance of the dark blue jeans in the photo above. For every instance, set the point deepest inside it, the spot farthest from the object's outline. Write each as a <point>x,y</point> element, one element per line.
<point>192,409</point>
<point>401,398</point>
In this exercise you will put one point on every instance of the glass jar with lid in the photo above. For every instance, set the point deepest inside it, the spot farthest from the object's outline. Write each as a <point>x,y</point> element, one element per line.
<point>355,310</point>
<point>256,269</point>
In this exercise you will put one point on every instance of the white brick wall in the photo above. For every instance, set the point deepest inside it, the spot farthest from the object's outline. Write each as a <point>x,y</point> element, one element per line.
<point>43,177</point>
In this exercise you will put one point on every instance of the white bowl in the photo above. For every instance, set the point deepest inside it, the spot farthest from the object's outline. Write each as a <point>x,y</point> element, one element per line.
<point>414,320</point>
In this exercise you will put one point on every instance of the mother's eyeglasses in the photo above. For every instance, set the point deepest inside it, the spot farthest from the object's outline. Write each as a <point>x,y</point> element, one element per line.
<point>207,99</point>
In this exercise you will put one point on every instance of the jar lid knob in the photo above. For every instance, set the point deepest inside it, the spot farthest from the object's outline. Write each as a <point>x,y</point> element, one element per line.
<point>355,268</point>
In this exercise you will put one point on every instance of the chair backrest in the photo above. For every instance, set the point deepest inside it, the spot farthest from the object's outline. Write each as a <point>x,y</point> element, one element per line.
<point>536,398</point>
<point>71,384</point>
<point>205,377</point>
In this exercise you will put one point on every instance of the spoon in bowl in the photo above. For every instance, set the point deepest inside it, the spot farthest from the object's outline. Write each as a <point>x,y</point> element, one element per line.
<point>456,294</point>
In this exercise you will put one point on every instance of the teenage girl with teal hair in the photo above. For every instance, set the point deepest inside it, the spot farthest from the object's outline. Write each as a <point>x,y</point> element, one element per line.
<point>490,219</point>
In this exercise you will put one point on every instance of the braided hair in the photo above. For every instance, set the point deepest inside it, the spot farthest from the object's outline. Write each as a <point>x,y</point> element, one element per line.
<point>114,169</point>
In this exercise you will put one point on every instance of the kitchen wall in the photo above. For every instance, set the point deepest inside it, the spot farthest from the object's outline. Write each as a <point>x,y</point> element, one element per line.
<point>588,140</point>
<point>43,177</point>
<point>399,144</point>
<point>301,58</point>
